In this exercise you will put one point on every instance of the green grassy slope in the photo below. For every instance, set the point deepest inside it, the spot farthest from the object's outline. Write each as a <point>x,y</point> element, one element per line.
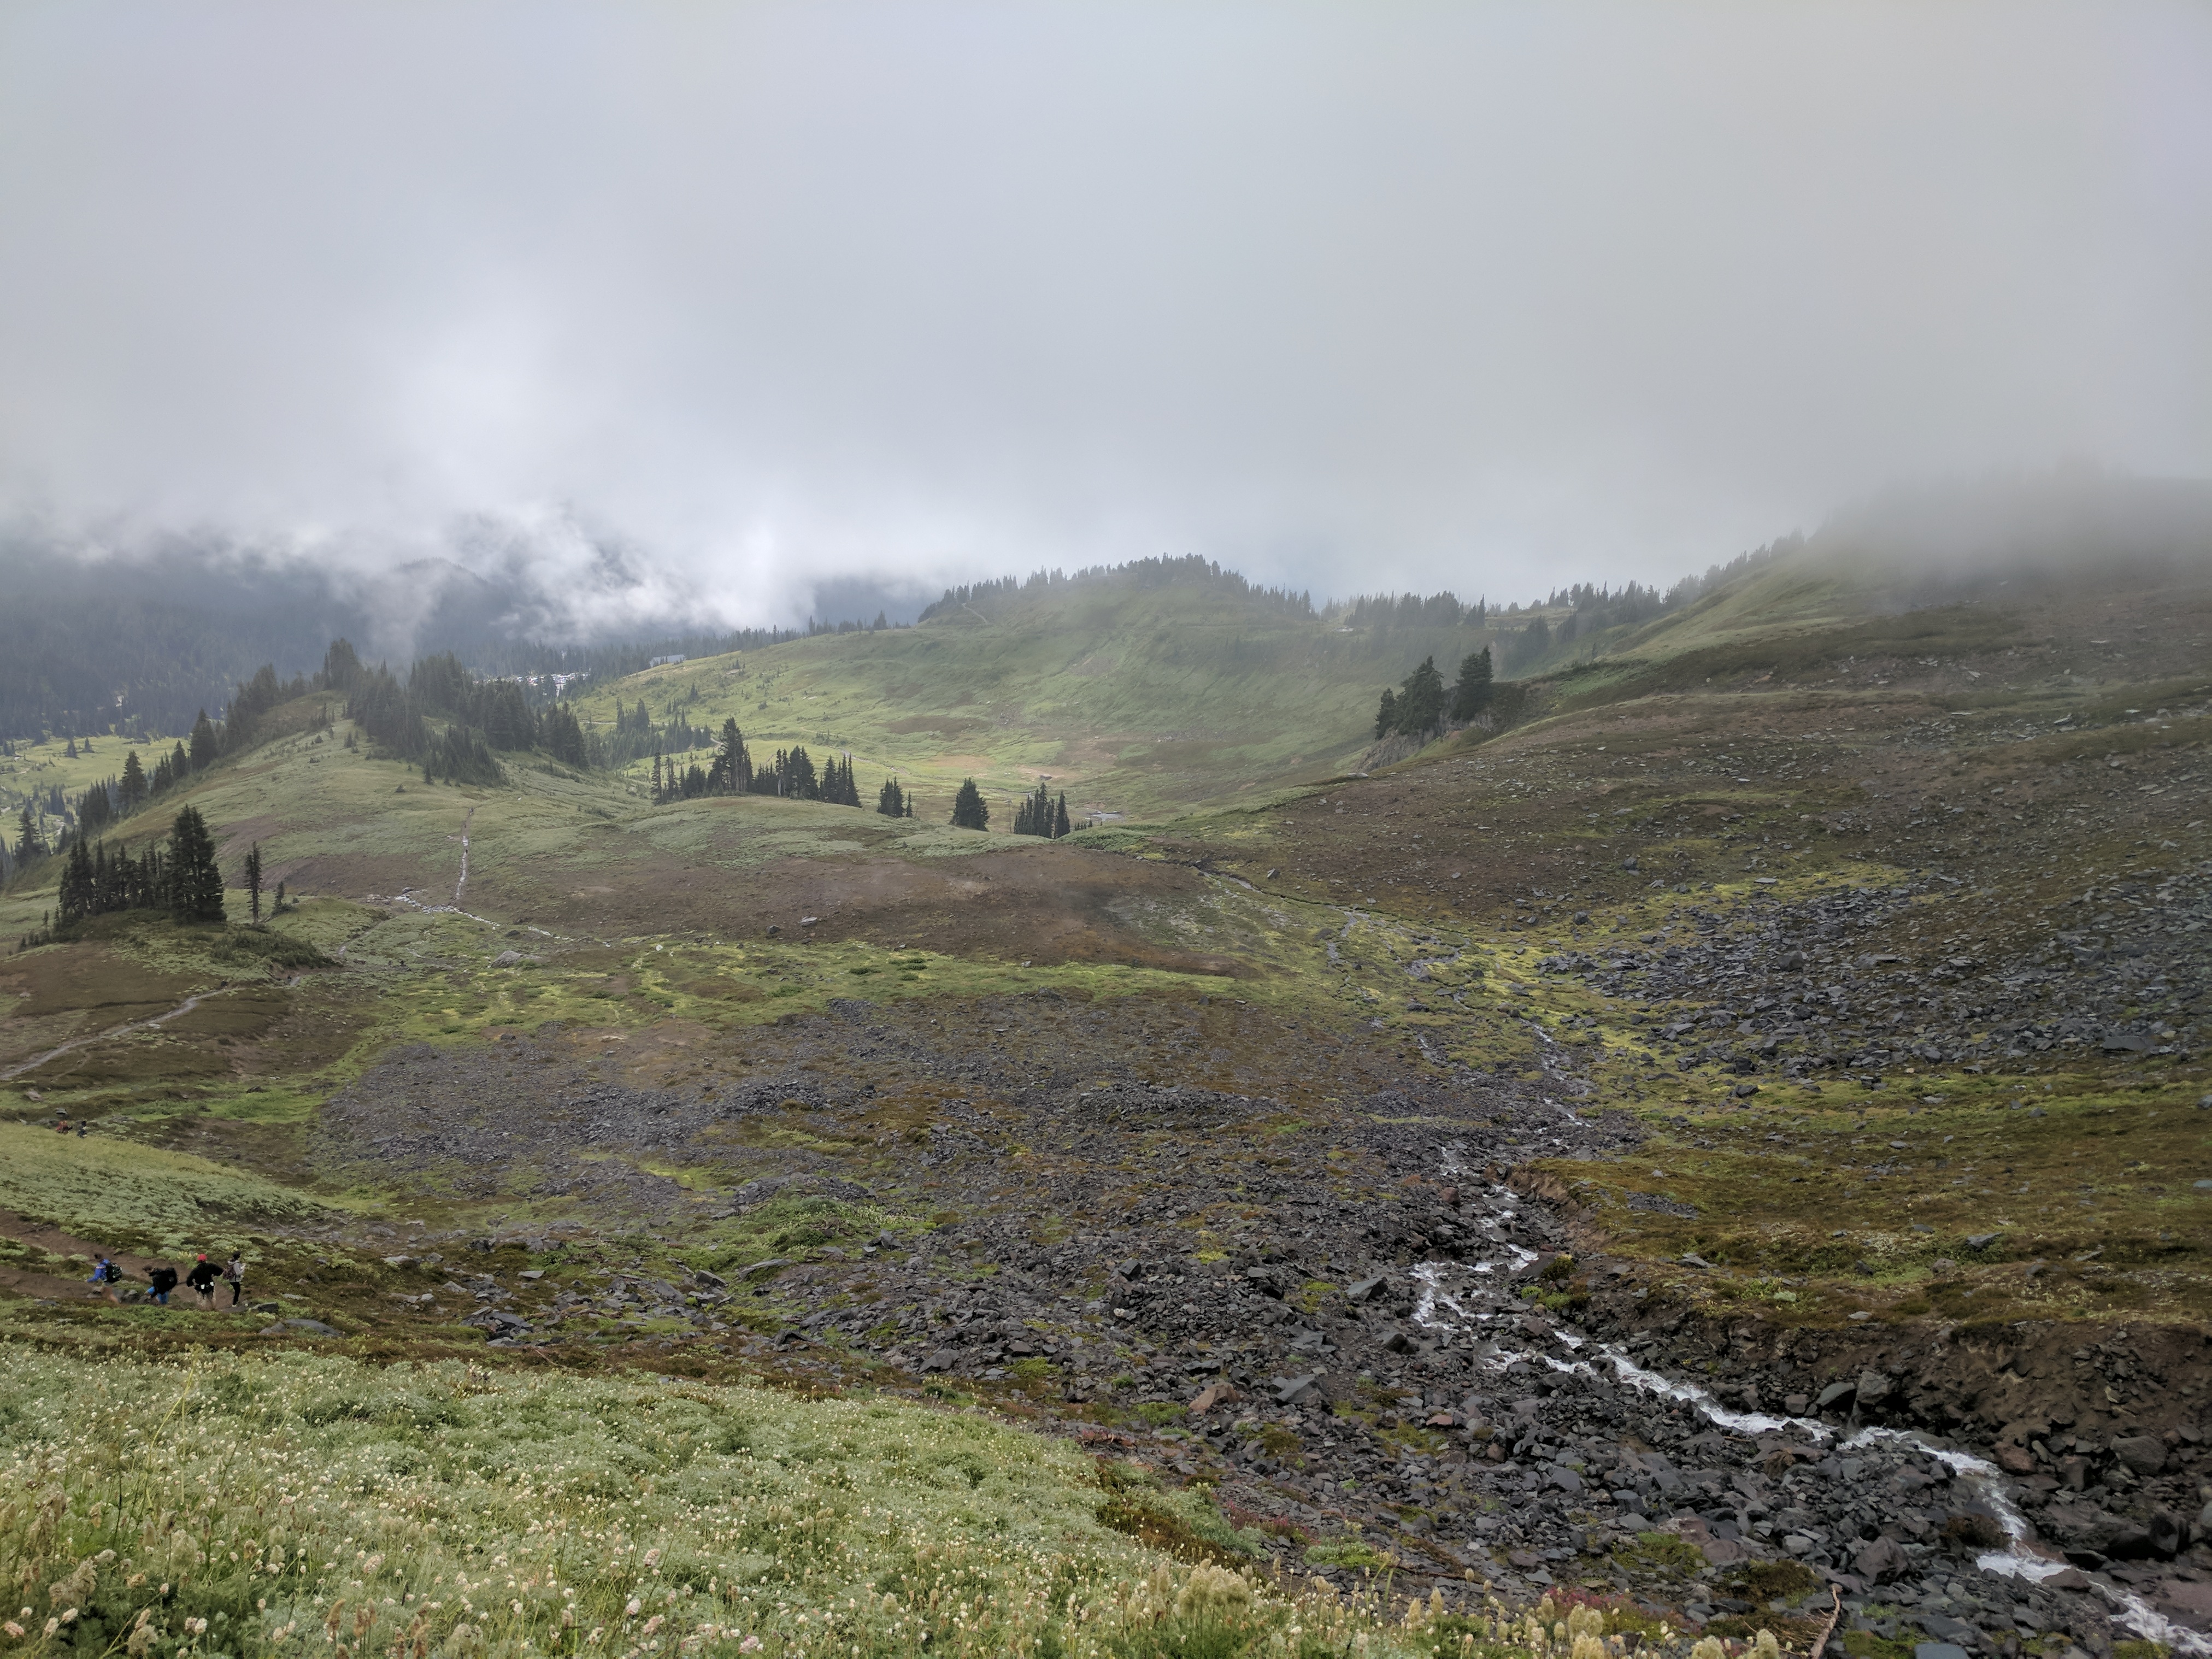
<point>1135,700</point>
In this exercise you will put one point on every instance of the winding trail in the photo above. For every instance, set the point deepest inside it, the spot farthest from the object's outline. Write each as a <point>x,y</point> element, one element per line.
<point>123,1029</point>
<point>1443,1307</point>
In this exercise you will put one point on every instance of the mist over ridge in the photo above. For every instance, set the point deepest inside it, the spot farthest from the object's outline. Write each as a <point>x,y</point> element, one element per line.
<point>144,636</point>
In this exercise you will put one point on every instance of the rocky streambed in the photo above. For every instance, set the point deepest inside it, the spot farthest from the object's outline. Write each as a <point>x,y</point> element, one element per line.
<point>1585,1452</point>
<point>1370,1331</point>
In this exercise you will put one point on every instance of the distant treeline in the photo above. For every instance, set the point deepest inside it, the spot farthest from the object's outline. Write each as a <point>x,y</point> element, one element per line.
<point>133,645</point>
<point>604,663</point>
<point>1521,636</point>
<point>986,598</point>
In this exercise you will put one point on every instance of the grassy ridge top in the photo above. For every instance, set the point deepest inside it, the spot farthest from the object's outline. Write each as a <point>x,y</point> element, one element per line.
<point>1137,702</point>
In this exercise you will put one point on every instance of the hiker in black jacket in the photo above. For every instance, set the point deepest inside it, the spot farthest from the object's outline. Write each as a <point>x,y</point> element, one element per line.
<point>202,1279</point>
<point>164,1279</point>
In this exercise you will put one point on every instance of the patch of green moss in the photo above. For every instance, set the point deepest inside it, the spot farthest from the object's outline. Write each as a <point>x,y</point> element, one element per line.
<point>1351,1553</point>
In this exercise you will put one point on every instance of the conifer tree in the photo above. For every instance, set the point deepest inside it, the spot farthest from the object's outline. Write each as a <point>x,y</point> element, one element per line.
<point>195,883</point>
<point>206,748</point>
<point>890,799</point>
<point>1471,694</point>
<point>341,667</point>
<point>731,773</point>
<point>70,751</point>
<point>1386,717</point>
<point>253,880</point>
<point>969,811</point>
<point>1421,701</point>
<point>134,783</point>
<point>561,736</point>
<point>1060,817</point>
<point>78,889</point>
<point>26,836</point>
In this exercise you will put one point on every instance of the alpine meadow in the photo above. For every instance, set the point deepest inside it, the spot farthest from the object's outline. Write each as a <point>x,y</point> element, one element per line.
<point>973,830</point>
<point>1055,1127</point>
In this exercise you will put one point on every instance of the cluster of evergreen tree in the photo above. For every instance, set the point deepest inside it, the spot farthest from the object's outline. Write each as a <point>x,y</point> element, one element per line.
<point>791,773</point>
<point>674,782</point>
<point>458,755</point>
<point>1422,705</point>
<point>636,734</point>
<point>181,879</point>
<point>894,802</point>
<point>1039,815</point>
<point>986,598</point>
<point>839,787</point>
<point>731,774</point>
<point>482,716</point>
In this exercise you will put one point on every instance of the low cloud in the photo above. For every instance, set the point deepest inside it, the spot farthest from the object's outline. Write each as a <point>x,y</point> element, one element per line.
<point>697,310</point>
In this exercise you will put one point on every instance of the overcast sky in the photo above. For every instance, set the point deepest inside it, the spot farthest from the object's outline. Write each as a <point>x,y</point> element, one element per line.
<point>1489,296</point>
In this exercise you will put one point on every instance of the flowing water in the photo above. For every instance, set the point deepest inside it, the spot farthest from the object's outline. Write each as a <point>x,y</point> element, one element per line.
<point>1439,1307</point>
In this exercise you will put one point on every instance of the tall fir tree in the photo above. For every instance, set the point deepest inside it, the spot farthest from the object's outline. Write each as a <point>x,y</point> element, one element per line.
<point>1471,694</point>
<point>253,880</point>
<point>133,789</point>
<point>79,890</point>
<point>195,883</point>
<point>206,746</point>
<point>1060,817</point>
<point>1421,701</point>
<point>969,811</point>
<point>731,773</point>
<point>1386,717</point>
<point>890,799</point>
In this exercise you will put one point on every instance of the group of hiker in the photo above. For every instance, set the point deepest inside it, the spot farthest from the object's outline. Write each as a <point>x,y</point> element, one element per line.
<point>108,1275</point>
